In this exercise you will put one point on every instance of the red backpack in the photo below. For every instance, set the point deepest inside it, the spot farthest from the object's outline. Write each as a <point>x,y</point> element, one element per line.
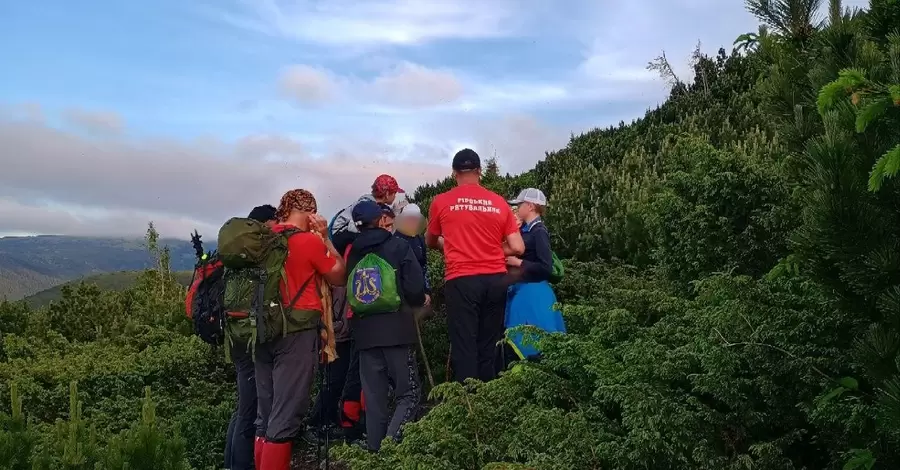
<point>205,300</point>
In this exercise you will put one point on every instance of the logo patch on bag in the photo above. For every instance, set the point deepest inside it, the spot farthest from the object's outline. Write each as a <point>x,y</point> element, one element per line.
<point>367,285</point>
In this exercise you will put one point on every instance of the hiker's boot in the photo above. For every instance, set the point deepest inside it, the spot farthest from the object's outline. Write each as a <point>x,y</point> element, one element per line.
<point>276,456</point>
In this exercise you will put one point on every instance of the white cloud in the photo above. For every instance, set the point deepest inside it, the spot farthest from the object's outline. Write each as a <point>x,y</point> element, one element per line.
<point>306,85</point>
<point>262,146</point>
<point>17,218</point>
<point>61,182</point>
<point>375,22</point>
<point>96,122</point>
<point>412,85</point>
<point>182,182</point>
<point>519,141</point>
<point>404,85</point>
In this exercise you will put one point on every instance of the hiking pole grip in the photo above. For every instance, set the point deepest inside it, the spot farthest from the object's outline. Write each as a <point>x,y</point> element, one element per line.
<point>197,244</point>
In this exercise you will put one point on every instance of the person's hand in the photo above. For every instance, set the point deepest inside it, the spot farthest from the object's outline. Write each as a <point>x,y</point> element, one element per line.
<point>513,261</point>
<point>318,224</point>
<point>427,300</point>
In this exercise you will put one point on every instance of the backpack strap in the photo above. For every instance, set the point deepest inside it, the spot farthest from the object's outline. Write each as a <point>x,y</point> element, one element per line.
<point>288,233</point>
<point>300,291</point>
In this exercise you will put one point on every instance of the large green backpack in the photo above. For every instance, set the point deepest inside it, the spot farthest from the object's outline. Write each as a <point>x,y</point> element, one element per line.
<point>372,287</point>
<point>558,270</point>
<point>253,256</point>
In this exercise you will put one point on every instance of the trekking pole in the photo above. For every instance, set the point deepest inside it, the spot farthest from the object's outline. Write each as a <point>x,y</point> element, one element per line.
<point>448,369</point>
<point>323,393</point>
<point>424,355</point>
<point>325,425</point>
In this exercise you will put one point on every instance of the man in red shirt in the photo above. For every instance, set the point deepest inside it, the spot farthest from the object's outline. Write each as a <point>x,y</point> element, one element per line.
<point>286,364</point>
<point>476,230</point>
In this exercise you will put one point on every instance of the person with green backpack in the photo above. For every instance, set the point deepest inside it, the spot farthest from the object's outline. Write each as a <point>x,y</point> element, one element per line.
<point>242,428</point>
<point>530,300</point>
<point>384,285</point>
<point>276,276</point>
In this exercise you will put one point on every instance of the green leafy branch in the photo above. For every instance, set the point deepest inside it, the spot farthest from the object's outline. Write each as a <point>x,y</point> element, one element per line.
<point>872,100</point>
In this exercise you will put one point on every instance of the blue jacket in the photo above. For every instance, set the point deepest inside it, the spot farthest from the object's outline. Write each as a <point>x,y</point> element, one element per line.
<point>537,261</point>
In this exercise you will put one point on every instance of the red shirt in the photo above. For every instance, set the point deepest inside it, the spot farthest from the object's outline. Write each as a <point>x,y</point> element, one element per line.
<point>474,222</point>
<point>307,256</point>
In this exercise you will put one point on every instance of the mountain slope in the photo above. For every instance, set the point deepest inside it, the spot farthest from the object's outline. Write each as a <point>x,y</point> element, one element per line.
<point>31,264</point>
<point>116,281</point>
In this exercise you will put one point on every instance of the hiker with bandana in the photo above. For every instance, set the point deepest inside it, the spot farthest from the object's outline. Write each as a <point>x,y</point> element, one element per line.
<point>286,364</point>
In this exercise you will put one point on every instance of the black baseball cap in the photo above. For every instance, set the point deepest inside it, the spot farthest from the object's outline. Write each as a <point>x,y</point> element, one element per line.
<point>466,160</point>
<point>263,213</point>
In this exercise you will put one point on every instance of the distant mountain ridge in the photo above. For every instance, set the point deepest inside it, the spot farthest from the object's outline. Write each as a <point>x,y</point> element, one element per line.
<point>32,264</point>
<point>116,281</point>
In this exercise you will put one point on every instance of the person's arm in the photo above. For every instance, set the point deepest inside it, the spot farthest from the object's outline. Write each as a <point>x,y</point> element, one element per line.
<point>433,233</point>
<point>513,244</point>
<point>435,242</point>
<point>411,280</point>
<point>326,260</point>
<point>337,274</point>
<point>539,270</point>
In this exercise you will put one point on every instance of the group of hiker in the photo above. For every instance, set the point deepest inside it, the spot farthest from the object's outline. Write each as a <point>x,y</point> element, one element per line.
<point>289,294</point>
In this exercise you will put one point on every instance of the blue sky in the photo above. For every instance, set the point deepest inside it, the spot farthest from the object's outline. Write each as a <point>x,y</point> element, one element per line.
<point>111,111</point>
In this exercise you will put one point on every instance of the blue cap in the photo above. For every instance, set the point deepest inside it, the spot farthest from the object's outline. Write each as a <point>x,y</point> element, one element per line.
<point>367,213</point>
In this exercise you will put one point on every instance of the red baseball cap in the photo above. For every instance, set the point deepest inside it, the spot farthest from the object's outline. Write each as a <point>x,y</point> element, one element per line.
<point>385,184</point>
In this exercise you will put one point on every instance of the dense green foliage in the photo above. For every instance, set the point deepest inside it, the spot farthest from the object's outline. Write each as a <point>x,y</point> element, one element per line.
<point>81,370</point>
<point>748,315</point>
<point>732,294</point>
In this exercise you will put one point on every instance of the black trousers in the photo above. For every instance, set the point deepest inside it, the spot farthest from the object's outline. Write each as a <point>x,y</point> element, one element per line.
<point>476,306</point>
<point>241,428</point>
<point>353,386</point>
<point>329,397</point>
